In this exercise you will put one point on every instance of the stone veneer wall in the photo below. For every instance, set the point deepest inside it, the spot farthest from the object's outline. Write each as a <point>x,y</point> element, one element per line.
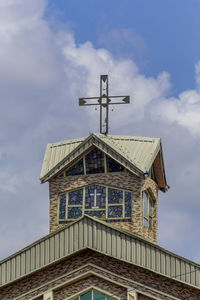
<point>89,268</point>
<point>123,180</point>
<point>85,283</point>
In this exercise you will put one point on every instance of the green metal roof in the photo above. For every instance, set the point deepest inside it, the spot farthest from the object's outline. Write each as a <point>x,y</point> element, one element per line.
<point>92,233</point>
<point>137,154</point>
<point>141,151</point>
<point>56,152</point>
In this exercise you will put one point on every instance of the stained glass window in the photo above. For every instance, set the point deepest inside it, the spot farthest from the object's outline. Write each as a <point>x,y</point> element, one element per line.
<point>96,200</point>
<point>87,296</point>
<point>75,197</point>
<point>93,295</point>
<point>127,204</point>
<point>115,211</point>
<point>145,205</point>
<point>62,208</point>
<point>94,162</point>
<point>95,196</point>
<point>96,213</point>
<point>113,166</point>
<point>147,210</point>
<point>77,169</point>
<point>74,212</point>
<point>150,213</point>
<point>115,196</point>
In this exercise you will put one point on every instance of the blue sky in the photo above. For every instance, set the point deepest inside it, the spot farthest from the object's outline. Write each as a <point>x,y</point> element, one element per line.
<point>163,35</point>
<point>52,53</point>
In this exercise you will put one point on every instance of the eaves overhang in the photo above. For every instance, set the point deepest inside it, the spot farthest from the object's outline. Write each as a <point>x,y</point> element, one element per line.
<point>164,184</point>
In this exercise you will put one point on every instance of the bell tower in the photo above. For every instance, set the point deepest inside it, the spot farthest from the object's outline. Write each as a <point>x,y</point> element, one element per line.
<point>113,178</point>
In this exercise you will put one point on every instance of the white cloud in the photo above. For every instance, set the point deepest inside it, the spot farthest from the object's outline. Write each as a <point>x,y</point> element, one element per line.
<point>84,64</point>
<point>27,52</point>
<point>185,111</point>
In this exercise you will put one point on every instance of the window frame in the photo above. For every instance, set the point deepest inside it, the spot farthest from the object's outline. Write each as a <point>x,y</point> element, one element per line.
<point>79,294</point>
<point>63,174</point>
<point>150,209</point>
<point>107,204</point>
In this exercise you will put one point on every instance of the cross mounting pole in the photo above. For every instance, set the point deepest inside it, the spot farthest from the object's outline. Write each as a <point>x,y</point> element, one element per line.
<point>104,100</point>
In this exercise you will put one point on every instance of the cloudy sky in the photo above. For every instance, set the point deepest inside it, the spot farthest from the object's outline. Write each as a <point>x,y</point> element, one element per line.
<point>51,53</point>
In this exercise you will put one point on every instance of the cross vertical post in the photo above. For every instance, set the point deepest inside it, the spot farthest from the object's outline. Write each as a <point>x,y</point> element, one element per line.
<point>104,100</point>
<point>104,104</point>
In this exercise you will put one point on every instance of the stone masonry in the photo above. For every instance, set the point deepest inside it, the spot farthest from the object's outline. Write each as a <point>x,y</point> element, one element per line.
<point>124,180</point>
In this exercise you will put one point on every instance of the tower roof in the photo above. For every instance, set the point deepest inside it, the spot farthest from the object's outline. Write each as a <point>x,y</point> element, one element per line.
<point>137,154</point>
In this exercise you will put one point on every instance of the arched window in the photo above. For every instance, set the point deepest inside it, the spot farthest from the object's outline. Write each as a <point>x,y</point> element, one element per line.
<point>96,200</point>
<point>148,205</point>
<point>93,294</point>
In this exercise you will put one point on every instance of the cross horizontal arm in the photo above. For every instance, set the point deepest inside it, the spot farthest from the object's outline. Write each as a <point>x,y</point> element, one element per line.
<point>104,97</point>
<point>83,101</point>
<point>103,101</point>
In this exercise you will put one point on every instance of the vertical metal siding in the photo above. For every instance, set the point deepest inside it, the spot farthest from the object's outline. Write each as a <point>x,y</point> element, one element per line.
<point>128,248</point>
<point>13,268</point>
<point>153,258</point>
<point>90,233</point>
<point>197,283</point>
<point>108,237</point>
<point>23,264</point>
<point>157,267</point>
<point>62,244</point>
<point>46,255</point>
<point>148,257</point>
<point>18,269</point>
<point>8,271</point>
<point>42,253</point>
<point>168,265</point>
<point>57,246</point>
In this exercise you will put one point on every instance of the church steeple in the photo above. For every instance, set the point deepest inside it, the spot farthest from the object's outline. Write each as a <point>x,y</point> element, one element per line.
<point>113,178</point>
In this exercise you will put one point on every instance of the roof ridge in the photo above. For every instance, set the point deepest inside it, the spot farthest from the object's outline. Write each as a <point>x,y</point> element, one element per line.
<point>113,137</point>
<point>130,137</point>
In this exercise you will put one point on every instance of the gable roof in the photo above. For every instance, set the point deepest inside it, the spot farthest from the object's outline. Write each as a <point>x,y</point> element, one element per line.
<point>137,154</point>
<point>92,233</point>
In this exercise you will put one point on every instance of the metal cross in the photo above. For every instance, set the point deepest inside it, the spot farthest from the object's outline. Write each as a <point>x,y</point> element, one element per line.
<point>95,194</point>
<point>104,100</point>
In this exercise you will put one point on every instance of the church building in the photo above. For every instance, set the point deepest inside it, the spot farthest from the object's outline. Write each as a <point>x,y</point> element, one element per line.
<point>103,223</point>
